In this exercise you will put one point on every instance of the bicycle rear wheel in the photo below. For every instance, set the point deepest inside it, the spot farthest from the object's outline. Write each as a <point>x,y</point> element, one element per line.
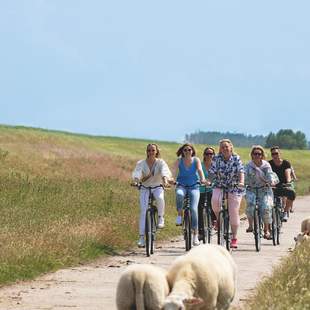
<point>206,234</point>
<point>148,233</point>
<point>220,229</point>
<point>187,230</point>
<point>257,230</point>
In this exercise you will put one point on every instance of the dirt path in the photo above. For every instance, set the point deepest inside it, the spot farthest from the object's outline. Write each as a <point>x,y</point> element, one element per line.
<point>92,287</point>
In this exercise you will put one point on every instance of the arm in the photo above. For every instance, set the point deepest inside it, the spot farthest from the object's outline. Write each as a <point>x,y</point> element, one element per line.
<point>288,172</point>
<point>200,172</point>
<point>240,172</point>
<point>137,173</point>
<point>165,173</point>
<point>241,178</point>
<point>175,169</point>
<point>288,175</point>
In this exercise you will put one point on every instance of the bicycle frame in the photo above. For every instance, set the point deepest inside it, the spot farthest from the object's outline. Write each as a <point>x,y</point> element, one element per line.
<point>187,216</point>
<point>257,218</point>
<point>223,230</point>
<point>150,220</point>
<point>207,221</point>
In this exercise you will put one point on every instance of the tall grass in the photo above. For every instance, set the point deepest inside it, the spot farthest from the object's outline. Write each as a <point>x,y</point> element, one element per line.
<point>289,285</point>
<point>66,199</point>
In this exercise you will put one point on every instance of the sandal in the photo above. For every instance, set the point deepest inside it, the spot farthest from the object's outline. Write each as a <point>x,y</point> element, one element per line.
<point>249,229</point>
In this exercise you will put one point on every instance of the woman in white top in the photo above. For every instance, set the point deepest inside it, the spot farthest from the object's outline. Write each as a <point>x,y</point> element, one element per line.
<point>152,172</point>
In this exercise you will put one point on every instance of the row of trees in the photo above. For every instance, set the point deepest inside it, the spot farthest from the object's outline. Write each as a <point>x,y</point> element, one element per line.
<point>213,137</point>
<point>284,138</point>
<point>287,139</point>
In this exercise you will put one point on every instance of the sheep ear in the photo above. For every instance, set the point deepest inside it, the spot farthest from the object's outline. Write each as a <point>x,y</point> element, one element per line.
<point>193,301</point>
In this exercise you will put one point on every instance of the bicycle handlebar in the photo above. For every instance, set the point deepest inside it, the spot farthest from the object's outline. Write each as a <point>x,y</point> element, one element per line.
<point>139,185</point>
<point>258,187</point>
<point>282,185</point>
<point>186,186</point>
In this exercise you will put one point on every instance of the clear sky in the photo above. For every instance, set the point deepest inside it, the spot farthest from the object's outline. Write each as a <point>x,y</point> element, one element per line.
<point>155,69</point>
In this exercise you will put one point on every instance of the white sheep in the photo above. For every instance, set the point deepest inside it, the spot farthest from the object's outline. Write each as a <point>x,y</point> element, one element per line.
<point>205,278</point>
<point>301,237</point>
<point>305,225</point>
<point>304,232</point>
<point>142,287</point>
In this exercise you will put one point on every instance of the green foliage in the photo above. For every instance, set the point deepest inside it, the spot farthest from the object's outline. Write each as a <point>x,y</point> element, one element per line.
<point>287,139</point>
<point>289,285</point>
<point>213,137</point>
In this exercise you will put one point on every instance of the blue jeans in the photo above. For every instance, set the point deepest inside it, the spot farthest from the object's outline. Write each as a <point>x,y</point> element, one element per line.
<point>194,195</point>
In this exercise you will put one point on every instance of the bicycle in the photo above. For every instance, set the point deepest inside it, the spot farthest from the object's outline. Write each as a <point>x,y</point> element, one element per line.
<point>257,219</point>
<point>150,219</point>
<point>207,220</point>
<point>277,213</point>
<point>223,229</point>
<point>187,216</point>
<point>224,232</point>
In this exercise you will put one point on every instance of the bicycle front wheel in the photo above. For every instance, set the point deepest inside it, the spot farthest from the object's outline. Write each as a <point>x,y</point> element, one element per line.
<point>274,227</point>
<point>148,233</point>
<point>187,230</point>
<point>227,231</point>
<point>153,228</point>
<point>279,224</point>
<point>257,230</point>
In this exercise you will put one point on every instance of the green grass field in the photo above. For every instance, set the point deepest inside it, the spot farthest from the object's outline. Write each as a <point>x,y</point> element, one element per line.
<point>65,198</point>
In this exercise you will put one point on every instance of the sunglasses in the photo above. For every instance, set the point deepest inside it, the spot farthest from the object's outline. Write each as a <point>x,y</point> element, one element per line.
<point>257,154</point>
<point>187,150</point>
<point>208,154</point>
<point>276,153</point>
<point>151,151</point>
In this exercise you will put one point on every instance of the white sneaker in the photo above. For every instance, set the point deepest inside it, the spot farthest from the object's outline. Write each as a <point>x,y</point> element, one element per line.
<point>178,220</point>
<point>161,222</point>
<point>285,217</point>
<point>141,242</point>
<point>195,240</point>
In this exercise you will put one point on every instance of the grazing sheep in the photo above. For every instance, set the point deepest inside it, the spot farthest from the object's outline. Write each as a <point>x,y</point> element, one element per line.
<point>142,287</point>
<point>205,278</point>
<point>305,225</point>
<point>305,232</point>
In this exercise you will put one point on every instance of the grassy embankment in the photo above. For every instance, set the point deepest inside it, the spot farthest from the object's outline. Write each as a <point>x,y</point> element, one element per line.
<point>66,199</point>
<point>288,287</point>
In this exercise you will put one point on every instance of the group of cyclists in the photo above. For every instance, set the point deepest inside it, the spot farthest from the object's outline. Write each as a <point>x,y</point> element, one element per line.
<point>205,179</point>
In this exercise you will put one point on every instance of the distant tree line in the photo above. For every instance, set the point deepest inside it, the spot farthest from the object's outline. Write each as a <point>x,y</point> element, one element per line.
<point>284,138</point>
<point>213,137</point>
<point>287,139</point>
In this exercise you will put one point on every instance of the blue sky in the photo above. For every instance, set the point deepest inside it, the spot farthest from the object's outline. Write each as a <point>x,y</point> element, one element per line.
<point>155,69</point>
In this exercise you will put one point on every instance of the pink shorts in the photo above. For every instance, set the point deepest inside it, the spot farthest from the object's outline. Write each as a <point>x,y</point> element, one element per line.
<point>234,202</point>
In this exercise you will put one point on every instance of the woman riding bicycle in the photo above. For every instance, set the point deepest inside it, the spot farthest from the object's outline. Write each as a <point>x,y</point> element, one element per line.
<point>282,168</point>
<point>258,174</point>
<point>208,154</point>
<point>188,172</point>
<point>227,171</point>
<point>151,172</point>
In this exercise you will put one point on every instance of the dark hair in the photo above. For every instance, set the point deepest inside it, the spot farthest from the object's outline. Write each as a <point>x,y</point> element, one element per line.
<point>209,148</point>
<point>157,155</point>
<point>275,147</point>
<point>180,150</point>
